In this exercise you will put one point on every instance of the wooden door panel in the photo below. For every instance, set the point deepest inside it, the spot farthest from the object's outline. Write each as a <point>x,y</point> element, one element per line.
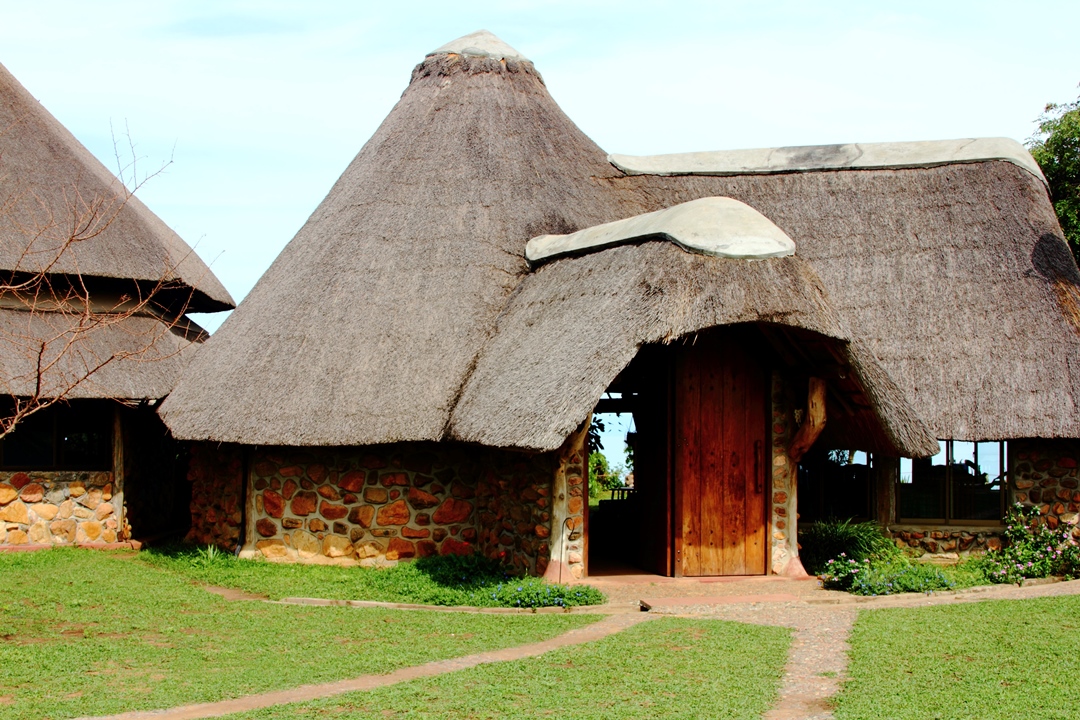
<point>719,430</point>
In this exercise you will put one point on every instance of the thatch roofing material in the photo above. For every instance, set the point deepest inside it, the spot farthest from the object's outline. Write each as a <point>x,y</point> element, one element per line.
<point>955,277</point>
<point>367,325</point>
<point>149,356</point>
<point>50,183</point>
<point>577,322</point>
<point>715,226</point>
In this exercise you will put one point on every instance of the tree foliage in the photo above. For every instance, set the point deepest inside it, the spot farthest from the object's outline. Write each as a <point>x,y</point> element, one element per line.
<point>1056,147</point>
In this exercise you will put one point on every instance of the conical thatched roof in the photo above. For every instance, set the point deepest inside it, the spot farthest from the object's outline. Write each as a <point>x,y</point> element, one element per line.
<point>50,183</point>
<point>371,326</point>
<point>367,325</point>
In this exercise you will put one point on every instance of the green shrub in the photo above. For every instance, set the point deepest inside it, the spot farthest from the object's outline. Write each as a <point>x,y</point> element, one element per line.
<point>1031,549</point>
<point>868,577</point>
<point>830,539</point>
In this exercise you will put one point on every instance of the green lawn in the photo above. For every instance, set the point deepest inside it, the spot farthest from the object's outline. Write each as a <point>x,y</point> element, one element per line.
<point>88,632</point>
<point>664,668</point>
<point>998,659</point>
<point>446,580</point>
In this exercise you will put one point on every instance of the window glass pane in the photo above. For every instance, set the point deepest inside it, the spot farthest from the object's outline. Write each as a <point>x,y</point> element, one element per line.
<point>905,471</point>
<point>84,437</point>
<point>976,481</point>
<point>30,445</point>
<point>834,484</point>
<point>924,496</point>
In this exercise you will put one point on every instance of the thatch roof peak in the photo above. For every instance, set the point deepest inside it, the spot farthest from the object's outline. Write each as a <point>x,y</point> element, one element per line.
<point>481,43</point>
<point>50,182</point>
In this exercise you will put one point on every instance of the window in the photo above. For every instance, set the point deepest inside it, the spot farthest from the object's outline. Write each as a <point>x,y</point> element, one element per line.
<point>62,437</point>
<point>963,484</point>
<point>835,484</point>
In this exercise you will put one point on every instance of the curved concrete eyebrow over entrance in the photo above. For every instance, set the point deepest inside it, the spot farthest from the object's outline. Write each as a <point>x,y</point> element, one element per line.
<point>717,226</point>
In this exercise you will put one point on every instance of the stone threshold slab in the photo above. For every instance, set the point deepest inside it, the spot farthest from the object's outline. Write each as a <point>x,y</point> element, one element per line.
<point>131,545</point>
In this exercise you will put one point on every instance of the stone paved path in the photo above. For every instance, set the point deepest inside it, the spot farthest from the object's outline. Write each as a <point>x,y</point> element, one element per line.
<point>590,633</point>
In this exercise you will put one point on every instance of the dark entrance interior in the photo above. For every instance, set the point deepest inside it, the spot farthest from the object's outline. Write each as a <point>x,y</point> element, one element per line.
<point>157,494</point>
<point>698,506</point>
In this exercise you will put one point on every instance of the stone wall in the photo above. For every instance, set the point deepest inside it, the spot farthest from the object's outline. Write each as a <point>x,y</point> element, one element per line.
<point>1044,474</point>
<point>946,540</point>
<point>59,508</point>
<point>380,504</point>
<point>216,473</point>
<point>783,505</point>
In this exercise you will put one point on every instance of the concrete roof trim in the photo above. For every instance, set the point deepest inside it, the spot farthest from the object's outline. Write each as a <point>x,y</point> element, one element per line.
<point>479,44</point>
<point>812,158</point>
<point>716,226</point>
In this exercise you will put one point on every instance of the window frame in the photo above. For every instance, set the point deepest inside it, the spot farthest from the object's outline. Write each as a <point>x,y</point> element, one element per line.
<point>949,489</point>
<point>55,413</point>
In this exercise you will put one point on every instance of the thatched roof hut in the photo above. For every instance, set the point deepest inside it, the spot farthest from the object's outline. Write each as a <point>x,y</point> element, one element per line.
<point>93,256</point>
<point>405,309</point>
<point>53,189</point>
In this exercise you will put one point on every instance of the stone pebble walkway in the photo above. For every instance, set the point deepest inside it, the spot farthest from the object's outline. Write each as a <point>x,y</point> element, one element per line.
<point>816,666</point>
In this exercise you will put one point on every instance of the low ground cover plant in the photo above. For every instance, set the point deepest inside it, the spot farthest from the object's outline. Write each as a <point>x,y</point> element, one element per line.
<point>831,539</point>
<point>664,668</point>
<point>86,632</point>
<point>440,580</point>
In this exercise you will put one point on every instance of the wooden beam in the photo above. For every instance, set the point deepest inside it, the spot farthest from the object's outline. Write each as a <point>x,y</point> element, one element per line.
<point>813,423</point>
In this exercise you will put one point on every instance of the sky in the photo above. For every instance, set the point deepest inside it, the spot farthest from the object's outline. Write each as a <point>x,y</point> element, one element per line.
<point>253,108</point>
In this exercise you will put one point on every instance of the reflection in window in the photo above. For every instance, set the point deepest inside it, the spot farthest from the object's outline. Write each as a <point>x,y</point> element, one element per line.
<point>834,484</point>
<point>965,481</point>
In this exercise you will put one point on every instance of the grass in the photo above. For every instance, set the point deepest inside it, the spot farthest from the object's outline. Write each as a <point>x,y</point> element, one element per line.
<point>446,580</point>
<point>663,668</point>
<point>88,632</point>
<point>997,659</point>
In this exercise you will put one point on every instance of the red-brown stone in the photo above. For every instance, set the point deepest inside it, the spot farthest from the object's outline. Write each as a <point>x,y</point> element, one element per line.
<point>423,519</point>
<point>333,512</point>
<point>398,549</point>
<point>352,481</point>
<point>460,490</point>
<point>275,484</point>
<point>261,484</point>
<point>1066,462</point>
<point>396,513</point>
<point>439,534</point>
<point>32,493</point>
<point>451,546</point>
<point>316,525</point>
<point>452,511</point>
<point>362,515</point>
<point>394,478</point>
<point>292,523</point>
<point>542,531</point>
<point>422,500</point>
<point>273,504</point>
<point>375,495</point>
<point>573,505</point>
<point>307,484</point>
<point>19,480</point>
<point>266,527</point>
<point>328,492</point>
<point>414,533</point>
<point>289,489</point>
<point>304,503</point>
<point>420,480</point>
<point>395,494</point>
<point>264,468</point>
<point>349,499</point>
<point>317,473</point>
<point>426,548</point>
<point>291,471</point>
<point>530,495</point>
<point>779,498</point>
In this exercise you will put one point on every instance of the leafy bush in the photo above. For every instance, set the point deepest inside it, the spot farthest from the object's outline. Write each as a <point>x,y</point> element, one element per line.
<point>830,539</point>
<point>868,577</point>
<point>1031,549</point>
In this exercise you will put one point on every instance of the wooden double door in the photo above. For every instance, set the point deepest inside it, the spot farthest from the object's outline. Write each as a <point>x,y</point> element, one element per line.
<point>705,496</point>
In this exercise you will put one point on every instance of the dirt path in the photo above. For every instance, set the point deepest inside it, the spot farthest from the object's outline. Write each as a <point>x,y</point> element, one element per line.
<point>590,633</point>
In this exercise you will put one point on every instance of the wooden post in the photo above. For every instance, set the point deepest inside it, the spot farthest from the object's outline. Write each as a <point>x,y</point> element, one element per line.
<point>812,424</point>
<point>886,470</point>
